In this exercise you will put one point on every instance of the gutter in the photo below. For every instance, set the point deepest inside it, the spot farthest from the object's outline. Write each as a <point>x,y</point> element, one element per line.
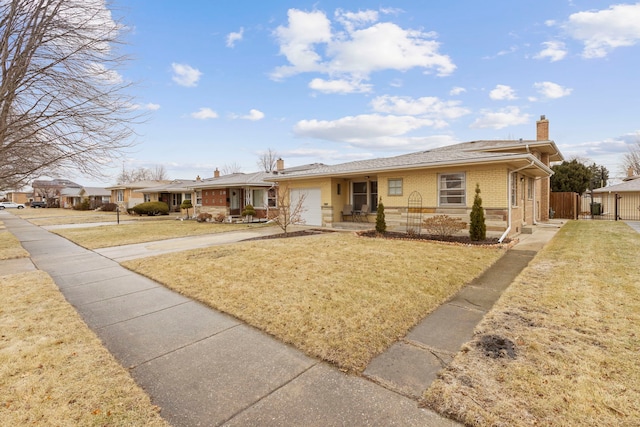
<point>506,232</point>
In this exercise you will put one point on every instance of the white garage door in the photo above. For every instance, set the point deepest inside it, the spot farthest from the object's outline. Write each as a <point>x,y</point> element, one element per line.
<point>312,205</point>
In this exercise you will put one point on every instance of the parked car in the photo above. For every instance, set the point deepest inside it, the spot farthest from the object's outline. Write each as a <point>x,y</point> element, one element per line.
<point>7,205</point>
<point>36,204</point>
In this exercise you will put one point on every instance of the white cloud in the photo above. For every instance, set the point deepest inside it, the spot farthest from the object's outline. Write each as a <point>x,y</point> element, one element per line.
<point>102,73</point>
<point>502,92</point>
<point>339,86</point>
<point>509,116</point>
<point>254,115</point>
<point>298,39</point>
<point>602,31</point>
<point>368,130</point>
<point>232,38</point>
<point>352,20</point>
<point>554,50</point>
<point>365,46</point>
<point>457,90</point>
<point>204,114</point>
<point>552,90</point>
<point>150,106</point>
<point>426,107</point>
<point>185,75</point>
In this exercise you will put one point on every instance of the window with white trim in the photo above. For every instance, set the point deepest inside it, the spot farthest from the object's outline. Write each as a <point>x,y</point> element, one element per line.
<point>452,189</point>
<point>514,189</point>
<point>530,184</point>
<point>199,197</point>
<point>120,196</point>
<point>395,187</point>
<point>258,198</point>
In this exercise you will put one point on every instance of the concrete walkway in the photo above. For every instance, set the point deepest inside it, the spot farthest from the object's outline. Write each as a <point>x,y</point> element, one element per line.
<point>200,366</point>
<point>410,365</point>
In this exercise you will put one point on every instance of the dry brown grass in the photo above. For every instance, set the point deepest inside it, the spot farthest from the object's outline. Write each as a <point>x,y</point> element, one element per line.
<point>573,315</point>
<point>336,296</point>
<point>106,236</point>
<point>58,216</point>
<point>10,246</point>
<point>54,370</point>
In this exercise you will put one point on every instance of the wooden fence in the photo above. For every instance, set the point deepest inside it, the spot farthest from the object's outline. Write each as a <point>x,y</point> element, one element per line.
<point>565,205</point>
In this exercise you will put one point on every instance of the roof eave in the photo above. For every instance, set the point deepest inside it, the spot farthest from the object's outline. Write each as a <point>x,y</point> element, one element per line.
<point>526,158</point>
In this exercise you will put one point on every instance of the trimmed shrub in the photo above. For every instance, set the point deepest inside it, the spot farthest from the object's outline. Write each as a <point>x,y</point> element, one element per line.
<point>84,205</point>
<point>109,207</point>
<point>381,223</point>
<point>186,205</point>
<point>443,225</point>
<point>151,208</point>
<point>220,217</point>
<point>249,210</point>
<point>477,227</point>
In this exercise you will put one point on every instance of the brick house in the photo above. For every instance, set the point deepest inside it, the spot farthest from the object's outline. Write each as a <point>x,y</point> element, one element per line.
<point>513,176</point>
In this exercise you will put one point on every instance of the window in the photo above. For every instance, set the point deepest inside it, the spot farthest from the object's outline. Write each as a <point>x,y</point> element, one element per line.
<point>177,199</point>
<point>120,196</point>
<point>359,195</point>
<point>338,189</point>
<point>258,198</point>
<point>452,189</point>
<point>530,183</point>
<point>187,196</point>
<point>514,189</point>
<point>395,187</point>
<point>199,197</point>
<point>373,196</point>
<point>365,193</point>
<point>147,197</point>
<point>272,198</point>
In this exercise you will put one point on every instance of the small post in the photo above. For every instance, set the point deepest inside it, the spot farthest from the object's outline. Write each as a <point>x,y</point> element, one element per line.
<point>118,214</point>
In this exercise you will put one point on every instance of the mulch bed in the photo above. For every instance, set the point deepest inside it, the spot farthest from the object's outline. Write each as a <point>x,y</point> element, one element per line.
<point>455,240</point>
<point>459,240</point>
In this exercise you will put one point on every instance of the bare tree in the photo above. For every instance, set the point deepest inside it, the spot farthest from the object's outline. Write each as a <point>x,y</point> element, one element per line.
<point>268,160</point>
<point>158,173</point>
<point>632,159</point>
<point>63,102</point>
<point>230,168</point>
<point>289,211</point>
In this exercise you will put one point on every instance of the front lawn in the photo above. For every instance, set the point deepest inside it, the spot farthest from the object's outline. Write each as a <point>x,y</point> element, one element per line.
<point>53,370</point>
<point>335,296</point>
<point>564,339</point>
<point>105,236</point>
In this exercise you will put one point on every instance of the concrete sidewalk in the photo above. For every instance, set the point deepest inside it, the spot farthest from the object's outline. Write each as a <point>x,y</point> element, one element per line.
<point>200,366</point>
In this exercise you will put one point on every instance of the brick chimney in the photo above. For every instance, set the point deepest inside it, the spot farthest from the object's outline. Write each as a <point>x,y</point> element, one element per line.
<point>198,179</point>
<point>630,172</point>
<point>542,129</point>
<point>216,173</point>
<point>280,165</point>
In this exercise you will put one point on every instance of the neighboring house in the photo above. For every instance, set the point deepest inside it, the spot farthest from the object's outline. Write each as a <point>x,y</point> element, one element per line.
<point>228,194</point>
<point>128,195</point>
<point>513,177</point>
<point>69,197</point>
<point>623,199</point>
<point>49,191</point>
<point>97,196</point>
<point>172,193</point>
<point>23,197</point>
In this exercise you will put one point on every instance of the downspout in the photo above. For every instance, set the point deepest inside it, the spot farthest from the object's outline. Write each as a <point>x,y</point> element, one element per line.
<point>506,232</point>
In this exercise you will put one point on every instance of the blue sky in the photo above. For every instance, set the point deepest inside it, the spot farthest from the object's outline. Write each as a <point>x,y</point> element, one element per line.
<point>334,81</point>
